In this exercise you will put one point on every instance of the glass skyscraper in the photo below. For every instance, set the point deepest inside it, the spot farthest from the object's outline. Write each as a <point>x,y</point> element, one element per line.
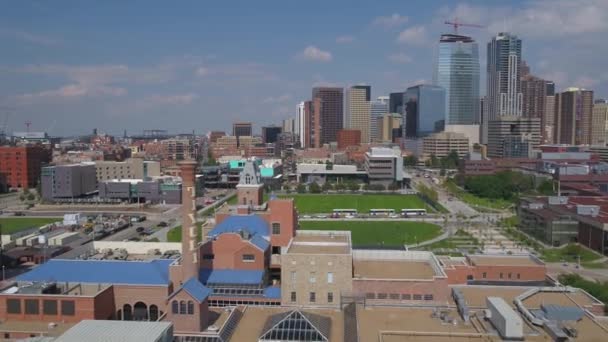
<point>425,110</point>
<point>457,71</point>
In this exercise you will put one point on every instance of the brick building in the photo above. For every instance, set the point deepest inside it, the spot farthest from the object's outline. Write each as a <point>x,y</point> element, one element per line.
<point>22,165</point>
<point>348,137</point>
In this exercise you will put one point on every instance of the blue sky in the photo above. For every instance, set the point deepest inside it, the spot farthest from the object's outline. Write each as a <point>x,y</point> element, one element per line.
<point>71,66</point>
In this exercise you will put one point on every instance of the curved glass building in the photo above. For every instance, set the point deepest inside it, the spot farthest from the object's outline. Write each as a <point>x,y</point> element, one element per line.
<point>457,71</point>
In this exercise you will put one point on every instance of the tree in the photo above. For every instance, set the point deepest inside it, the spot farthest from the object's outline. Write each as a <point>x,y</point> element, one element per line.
<point>314,188</point>
<point>353,186</point>
<point>329,165</point>
<point>30,196</point>
<point>394,186</point>
<point>442,172</point>
<point>301,189</point>
<point>410,161</point>
<point>327,186</point>
<point>340,186</point>
<point>366,186</point>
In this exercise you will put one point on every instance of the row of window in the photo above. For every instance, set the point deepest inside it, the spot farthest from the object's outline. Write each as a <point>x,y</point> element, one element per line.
<point>244,258</point>
<point>32,307</point>
<point>182,307</point>
<point>223,303</point>
<point>312,297</point>
<point>312,277</point>
<point>397,296</point>
<point>509,275</point>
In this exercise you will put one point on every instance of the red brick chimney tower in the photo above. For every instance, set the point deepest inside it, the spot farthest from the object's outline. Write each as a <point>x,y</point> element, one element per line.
<point>190,262</point>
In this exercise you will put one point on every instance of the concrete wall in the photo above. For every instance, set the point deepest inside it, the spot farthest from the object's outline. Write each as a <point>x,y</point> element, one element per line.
<point>136,247</point>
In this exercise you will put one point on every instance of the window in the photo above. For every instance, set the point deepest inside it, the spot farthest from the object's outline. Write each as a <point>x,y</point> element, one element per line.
<point>13,306</point>
<point>182,307</point>
<point>293,276</point>
<point>417,297</point>
<point>382,295</point>
<point>248,258</point>
<point>330,297</point>
<point>208,256</point>
<point>276,228</point>
<point>509,275</point>
<point>406,296</point>
<point>469,277</point>
<point>313,277</point>
<point>370,295</point>
<point>518,277</point>
<point>293,297</point>
<point>428,297</point>
<point>501,275</point>
<point>312,297</point>
<point>393,296</point>
<point>49,307</point>
<point>190,308</point>
<point>68,308</point>
<point>175,307</point>
<point>484,275</point>
<point>330,277</point>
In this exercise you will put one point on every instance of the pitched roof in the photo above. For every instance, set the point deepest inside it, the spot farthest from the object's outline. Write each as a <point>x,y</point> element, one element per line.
<point>272,292</point>
<point>233,224</point>
<point>225,276</point>
<point>296,325</point>
<point>155,272</point>
<point>197,290</point>
<point>260,242</point>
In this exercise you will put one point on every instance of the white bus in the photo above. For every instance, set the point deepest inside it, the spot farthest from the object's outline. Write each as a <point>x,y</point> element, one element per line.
<point>413,212</point>
<point>376,212</point>
<point>343,212</point>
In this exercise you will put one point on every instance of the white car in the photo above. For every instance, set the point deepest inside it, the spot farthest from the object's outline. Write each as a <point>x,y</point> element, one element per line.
<point>306,216</point>
<point>394,216</point>
<point>321,216</point>
<point>349,216</point>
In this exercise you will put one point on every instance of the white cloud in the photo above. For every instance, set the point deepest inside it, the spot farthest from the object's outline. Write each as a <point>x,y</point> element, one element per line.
<point>345,39</point>
<point>391,21</point>
<point>413,35</point>
<point>202,71</point>
<point>313,53</point>
<point>70,92</point>
<point>278,99</point>
<point>400,57</point>
<point>27,37</point>
<point>179,99</point>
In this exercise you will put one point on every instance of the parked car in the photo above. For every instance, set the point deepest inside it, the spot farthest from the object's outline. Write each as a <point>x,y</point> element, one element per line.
<point>19,213</point>
<point>140,229</point>
<point>162,224</point>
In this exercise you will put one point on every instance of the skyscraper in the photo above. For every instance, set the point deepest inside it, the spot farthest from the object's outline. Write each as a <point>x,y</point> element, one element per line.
<point>599,123</point>
<point>573,116</point>
<point>425,110</point>
<point>534,91</point>
<point>300,123</point>
<point>457,71</point>
<point>357,110</point>
<point>310,125</point>
<point>379,107</point>
<point>270,134</point>
<point>503,73</point>
<point>331,112</point>
<point>240,129</point>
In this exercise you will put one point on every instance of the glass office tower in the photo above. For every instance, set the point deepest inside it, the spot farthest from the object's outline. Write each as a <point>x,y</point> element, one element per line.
<point>457,71</point>
<point>425,110</point>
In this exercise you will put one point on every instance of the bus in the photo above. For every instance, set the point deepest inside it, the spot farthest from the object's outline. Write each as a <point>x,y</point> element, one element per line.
<point>413,212</point>
<point>376,212</point>
<point>344,212</point>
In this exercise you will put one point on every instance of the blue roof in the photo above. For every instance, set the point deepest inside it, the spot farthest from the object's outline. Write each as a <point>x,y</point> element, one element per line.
<point>197,290</point>
<point>260,242</point>
<point>223,276</point>
<point>233,224</point>
<point>272,292</point>
<point>155,272</point>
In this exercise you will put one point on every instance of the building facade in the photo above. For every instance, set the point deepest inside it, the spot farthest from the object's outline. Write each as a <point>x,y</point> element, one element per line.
<point>331,113</point>
<point>384,166</point>
<point>441,144</point>
<point>21,165</point>
<point>457,71</point>
<point>349,137</point>
<point>357,111</point>
<point>132,168</point>
<point>242,129</point>
<point>387,124</point>
<point>68,181</point>
<point>513,136</point>
<point>599,123</point>
<point>379,107</point>
<point>573,116</point>
<point>504,74</point>
<point>534,90</point>
<point>270,134</point>
<point>425,110</point>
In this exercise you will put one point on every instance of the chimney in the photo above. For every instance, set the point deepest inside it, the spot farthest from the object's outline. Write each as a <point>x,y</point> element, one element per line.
<point>190,263</point>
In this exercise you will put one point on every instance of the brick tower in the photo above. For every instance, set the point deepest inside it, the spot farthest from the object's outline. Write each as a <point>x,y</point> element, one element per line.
<point>190,262</point>
<point>250,190</point>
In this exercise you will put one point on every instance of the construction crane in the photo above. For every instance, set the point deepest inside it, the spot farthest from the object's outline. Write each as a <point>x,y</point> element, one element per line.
<point>456,24</point>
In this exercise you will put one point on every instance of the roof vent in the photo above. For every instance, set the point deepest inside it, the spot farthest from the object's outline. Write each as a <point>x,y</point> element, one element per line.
<point>245,234</point>
<point>558,200</point>
<point>588,210</point>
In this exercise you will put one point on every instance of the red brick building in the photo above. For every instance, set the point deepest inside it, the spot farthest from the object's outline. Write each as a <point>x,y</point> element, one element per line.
<point>348,137</point>
<point>494,269</point>
<point>21,165</point>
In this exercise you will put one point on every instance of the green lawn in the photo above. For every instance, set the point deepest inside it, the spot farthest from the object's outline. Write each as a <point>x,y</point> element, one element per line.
<point>475,201</point>
<point>460,240</point>
<point>14,224</point>
<point>326,203</point>
<point>387,233</point>
<point>175,233</point>
<point>569,253</point>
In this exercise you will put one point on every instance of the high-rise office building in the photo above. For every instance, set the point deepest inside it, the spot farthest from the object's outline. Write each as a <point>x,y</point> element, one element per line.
<point>513,137</point>
<point>311,124</point>
<point>425,110</point>
<point>379,107</point>
<point>270,134</point>
<point>241,129</point>
<point>457,71</point>
<point>331,112</point>
<point>503,76</point>
<point>599,121</point>
<point>534,90</point>
<point>395,103</point>
<point>387,125</point>
<point>289,125</point>
<point>549,119</point>
<point>300,123</point>
<point>573,116</point>
<point>357,111</point>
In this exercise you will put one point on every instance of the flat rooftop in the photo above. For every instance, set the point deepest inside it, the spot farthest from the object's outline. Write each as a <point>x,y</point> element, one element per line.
<point>392,269</point>
<point>516,260</point>
<point>35,327</point>
<point>252,323</point>
<point>475,296</point>
<point>321,238</point>
<point>318,249</point>
<point>558,298</point>
<point>320,242</point>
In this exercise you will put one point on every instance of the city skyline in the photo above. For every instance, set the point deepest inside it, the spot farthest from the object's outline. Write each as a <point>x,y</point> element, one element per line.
<point>67,71</point>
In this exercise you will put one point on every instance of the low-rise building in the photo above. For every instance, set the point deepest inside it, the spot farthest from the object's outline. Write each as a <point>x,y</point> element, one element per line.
<point>131,168</point>
<point>443,143</point>
<point>68,181</point>
<point>384,166</point>
<point>164,190</point>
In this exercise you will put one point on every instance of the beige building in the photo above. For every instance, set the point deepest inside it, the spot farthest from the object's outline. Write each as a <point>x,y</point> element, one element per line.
<point>441,144</point>
<point>549,119</point>
<point>599,120</point>
<point>386,124</point>
<point>132,168</point>
<point>357,112</point>
<point>316,269</point>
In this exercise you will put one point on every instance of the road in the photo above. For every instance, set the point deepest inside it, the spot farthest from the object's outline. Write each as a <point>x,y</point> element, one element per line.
<point>554,269</point>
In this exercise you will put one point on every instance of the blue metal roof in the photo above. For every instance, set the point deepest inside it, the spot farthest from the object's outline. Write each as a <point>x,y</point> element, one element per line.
<point>260,242</point>
<point>155,272</point>
<point>197,290</point>
<point>224,276</point>
<point>272,292</point>
<point>233,224</point>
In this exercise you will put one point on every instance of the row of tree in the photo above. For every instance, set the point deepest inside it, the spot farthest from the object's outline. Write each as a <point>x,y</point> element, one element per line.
<point>315,188</point>
<point>505,185</point>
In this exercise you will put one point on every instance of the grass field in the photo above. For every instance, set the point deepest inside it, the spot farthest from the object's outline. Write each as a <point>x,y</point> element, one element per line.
<point>569,253</point>
<point>15,224</point>
<point>175,234</point>
<point>387,233</point>
<point>460,240</point>
<point>324,203</point>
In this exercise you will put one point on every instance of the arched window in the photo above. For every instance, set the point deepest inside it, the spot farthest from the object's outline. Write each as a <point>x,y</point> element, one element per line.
<point>182,307</point>
<point>175,307</point>
<point>190,308</point>
<point>140,312</point>
<point>119,315</point>
<point>153,313</point>
<point>127,314</point>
